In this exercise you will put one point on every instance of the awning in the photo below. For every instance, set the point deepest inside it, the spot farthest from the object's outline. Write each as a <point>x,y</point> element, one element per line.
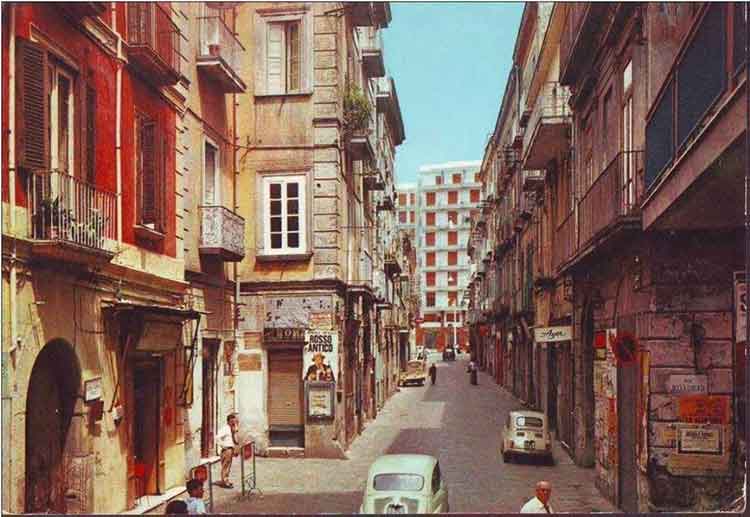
<point>153,309</point>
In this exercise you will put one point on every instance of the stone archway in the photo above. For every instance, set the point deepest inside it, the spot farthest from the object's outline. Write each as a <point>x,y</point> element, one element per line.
<point>51,407</point>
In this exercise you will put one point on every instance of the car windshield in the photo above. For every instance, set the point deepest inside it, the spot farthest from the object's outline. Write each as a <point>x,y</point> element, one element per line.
<point>529,421</point>
<point>411,482</point>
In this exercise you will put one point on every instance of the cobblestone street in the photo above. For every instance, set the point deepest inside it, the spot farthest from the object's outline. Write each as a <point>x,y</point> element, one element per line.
<point>458,423</point>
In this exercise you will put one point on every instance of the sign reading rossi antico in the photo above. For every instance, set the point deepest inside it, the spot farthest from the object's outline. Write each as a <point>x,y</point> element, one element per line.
<point>283,335</point>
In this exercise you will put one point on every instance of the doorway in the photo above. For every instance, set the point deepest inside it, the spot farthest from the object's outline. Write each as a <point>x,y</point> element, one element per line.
<point>146,427</point>
<point>552,382</point>
<point>54,388</point>
<point>285,401</point>
<point>588,456</point>
<point>628,376</point>
<point>209,359</point>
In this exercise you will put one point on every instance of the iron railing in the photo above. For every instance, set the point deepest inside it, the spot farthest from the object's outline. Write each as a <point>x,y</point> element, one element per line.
<point>614,194</point>
<point>565,241</point>
<point>218,38</point>
<point>150,25</point>
<point>66,209</point>
<point>572,28</point>
<point>551,102</point>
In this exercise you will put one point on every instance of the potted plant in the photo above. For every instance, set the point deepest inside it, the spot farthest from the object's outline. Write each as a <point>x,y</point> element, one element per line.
<point>357,109</point>
<point>53,220</point>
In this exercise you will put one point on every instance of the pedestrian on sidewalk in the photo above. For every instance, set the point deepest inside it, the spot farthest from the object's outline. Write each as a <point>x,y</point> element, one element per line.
<point>540,503</point>
<point>473,373</point>
<point>227,442</point>
<point>433,373</point>
<point>195,504</point>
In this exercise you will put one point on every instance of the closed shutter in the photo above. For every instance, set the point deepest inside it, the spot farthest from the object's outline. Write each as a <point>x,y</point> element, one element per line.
<point>293,39</point>
<point>32,120</point>
<point>285,388</point>
<point>89,139</point>
<point>275,72</point>
<point>147,172</point>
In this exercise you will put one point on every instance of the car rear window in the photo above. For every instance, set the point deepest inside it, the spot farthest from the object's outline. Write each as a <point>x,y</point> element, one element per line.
<point>385,482</point>
<point>529,421</point>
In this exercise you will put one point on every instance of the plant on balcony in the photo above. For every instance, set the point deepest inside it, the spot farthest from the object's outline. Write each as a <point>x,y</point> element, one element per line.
<point>357,109</point>
<point>52,219</point>
<point>90,231</point>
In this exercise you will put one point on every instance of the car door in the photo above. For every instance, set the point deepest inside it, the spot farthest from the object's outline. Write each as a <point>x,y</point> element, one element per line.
<point>439,492</point>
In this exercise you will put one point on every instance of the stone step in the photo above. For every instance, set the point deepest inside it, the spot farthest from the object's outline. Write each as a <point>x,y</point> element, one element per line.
<point>286,452</point>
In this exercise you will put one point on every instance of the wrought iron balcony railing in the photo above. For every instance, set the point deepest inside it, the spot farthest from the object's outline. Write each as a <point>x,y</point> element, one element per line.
<point>546,135</point>
<point>64,209</point>
<point>220,50</point>
<point>154,41</point>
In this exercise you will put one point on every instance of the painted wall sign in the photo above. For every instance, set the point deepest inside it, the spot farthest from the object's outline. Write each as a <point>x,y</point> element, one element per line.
<point>700,438</point>
<point>92,389</point>
<point>321,320</point>
<point>740,308</point>
<point>553,334</point>
<point>321,355</point>
<point>700,409</point>
<point>687,384</point>
<point>283,335</point>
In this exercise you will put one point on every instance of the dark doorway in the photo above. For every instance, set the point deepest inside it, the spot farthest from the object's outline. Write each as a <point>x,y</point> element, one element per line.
<point>146,428</point>
<point>53,391</point>
<point>552,382</point>
<point>588,455</point>
<point>627,426</point>
<point>210,404</point>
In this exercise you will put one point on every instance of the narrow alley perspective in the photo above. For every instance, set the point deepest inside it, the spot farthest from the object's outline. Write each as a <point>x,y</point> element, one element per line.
<point>458,423</point>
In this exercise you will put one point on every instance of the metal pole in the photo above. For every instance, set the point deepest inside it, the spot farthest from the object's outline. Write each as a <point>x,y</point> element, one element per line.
<point>210,487</point>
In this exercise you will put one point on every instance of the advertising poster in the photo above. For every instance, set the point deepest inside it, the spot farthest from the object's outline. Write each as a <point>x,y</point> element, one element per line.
<point>321,356</point>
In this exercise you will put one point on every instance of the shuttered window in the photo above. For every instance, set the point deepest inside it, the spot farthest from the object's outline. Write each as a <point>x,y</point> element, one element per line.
<point>430,298</point>
<point>453,197</point>
<point>283,57</point>
<point>430,258</point>
<point>429,239</point>
<point>33,91</point>
<point>90,140</point>
<point>151,157</point>
<point>430,218</point>
<point>211,174</point>
<point>452,258</point>
<point>452,238</point>
<point>402,217</point>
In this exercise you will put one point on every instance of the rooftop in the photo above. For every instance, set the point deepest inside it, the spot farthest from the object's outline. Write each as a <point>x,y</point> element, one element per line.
<point>450,165</point>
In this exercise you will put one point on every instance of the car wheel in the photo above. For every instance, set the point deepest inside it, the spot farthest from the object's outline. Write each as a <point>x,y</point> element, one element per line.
<point>506,457</point>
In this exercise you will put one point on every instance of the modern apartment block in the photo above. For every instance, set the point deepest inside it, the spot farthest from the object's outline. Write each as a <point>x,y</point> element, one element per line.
<point>439,211</point>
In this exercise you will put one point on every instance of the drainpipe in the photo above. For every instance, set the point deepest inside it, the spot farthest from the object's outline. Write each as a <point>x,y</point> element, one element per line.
<point>235,207</point>
<point>747,207</point>
<point>118,140</point>
<point>13,294</point>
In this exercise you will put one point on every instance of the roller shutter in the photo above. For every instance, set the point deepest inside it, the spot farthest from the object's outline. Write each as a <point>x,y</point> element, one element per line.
<point>285,406</point>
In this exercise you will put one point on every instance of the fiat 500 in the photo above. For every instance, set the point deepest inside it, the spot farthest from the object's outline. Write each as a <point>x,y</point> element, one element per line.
<point>405,483</point>
<point>525,433</point>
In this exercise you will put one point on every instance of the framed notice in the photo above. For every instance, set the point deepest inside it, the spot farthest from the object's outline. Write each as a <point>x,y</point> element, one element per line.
<point>705,439</point>
<point>92,389</point>
<point>319,400</point>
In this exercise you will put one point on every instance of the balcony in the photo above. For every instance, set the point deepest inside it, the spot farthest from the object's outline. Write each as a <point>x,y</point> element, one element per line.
<point>373,180</point>
<point>391,265</point>
<point>70,220</point>
<point>533,181</point>
<point>547,135</point>
<point>153,42</point>
<point>371,45</point>
<point>369,14</point>
<point>79,10</point>
<point>565,242</point>
<point>222,233</point>
<point>220,51</point>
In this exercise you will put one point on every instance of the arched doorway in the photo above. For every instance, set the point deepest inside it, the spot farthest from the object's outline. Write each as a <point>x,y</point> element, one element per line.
<point>50,405</point>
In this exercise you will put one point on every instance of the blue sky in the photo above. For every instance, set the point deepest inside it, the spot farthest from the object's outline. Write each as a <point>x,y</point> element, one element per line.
<point>450,62</point>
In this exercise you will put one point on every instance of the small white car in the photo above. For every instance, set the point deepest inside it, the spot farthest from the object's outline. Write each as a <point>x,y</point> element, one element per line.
<point>405,483</point>
<point>526,433</point>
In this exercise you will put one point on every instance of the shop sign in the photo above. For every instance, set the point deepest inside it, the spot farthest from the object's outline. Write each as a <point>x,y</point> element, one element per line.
<point>740,307</point>
<point>92,389</point>
<point>321,320</point>
<point>321,355</point>
<point>700,439</point>
<point>283,335</point>
<point>553,334</point>
<point>687,384</point>
<point>700,409</point>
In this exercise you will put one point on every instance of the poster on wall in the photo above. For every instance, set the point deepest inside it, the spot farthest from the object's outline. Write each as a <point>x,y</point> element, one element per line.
<point>319,397</point>
<point>321,355</point>
<point>740,307</point>
<point>700,439</point>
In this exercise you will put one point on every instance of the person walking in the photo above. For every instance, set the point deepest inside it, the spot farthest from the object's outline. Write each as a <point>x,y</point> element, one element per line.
<point>195,504</point>
<point>473,373</point>
<point>433,373</point>
<point>539,503</point>
<point>227,442</point>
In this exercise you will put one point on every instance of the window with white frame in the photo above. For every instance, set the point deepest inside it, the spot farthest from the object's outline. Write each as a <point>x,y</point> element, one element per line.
<point>284,215</point>
<point>211,174</point>
<point>283,53</point>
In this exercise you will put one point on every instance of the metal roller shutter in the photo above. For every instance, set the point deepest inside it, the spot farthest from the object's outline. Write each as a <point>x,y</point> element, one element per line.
<point>285,388</point>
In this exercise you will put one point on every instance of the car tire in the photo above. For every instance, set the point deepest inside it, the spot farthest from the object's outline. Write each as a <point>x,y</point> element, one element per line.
<point>506,457</point>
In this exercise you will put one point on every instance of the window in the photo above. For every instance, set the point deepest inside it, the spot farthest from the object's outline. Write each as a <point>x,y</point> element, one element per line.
<point>438,180</point>
<point>456,179</point>
<point>453,197</point>
<point>398,482</point>
<point>474,196</point>
<point>452,238</point>
<point>211,175</point>
<point>430,198</point>
<point>284,215</point>
<point>628,169</point>
<point>412,198</point>
<point>452,278</point>
<point>430,299</point>
<point>453,217</point>
<point>430,218</point>
<point>402,199</point>
<point>412,216</point>
<point>430,278</point>
<point>281,43</point>
<point>430,258</point>
<point>149,174</point>
<point>402,217</point>
<point>477,179</point>
<point>429,239</point>
<point>452,298</point>
<point>452,258</point>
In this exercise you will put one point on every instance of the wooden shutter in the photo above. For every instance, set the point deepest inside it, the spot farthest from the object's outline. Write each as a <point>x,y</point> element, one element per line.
<point>275,72</point>
<point>32,109</point>
<point>285,388</point>
<point>148,163</point>
<point>166,146</point>
<point>293,48</point>
<point>89,137</point>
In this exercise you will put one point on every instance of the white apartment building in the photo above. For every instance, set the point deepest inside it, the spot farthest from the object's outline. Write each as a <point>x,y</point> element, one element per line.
<point>439,209</point>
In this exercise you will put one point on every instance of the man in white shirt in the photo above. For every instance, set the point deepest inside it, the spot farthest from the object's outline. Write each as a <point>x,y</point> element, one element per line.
<point>226,441</point>
<point>195,504</point>
<point>540,503</point>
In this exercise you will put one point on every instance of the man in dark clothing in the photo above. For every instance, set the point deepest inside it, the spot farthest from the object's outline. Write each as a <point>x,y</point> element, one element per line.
<point>433,373</point>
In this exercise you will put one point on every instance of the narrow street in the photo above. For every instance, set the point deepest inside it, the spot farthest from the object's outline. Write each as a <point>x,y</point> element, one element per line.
<point>458,423</point>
